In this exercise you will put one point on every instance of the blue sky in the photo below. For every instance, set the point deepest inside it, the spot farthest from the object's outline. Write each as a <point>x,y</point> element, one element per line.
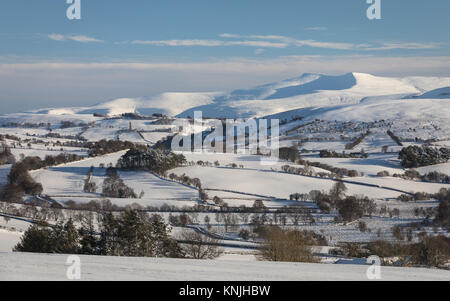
<point>143,47</point>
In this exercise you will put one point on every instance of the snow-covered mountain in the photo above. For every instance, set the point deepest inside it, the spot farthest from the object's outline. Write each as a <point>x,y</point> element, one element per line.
<point>352,94</point>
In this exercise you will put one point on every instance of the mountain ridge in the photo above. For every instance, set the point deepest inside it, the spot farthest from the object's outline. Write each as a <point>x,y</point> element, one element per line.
<point>305,91</point>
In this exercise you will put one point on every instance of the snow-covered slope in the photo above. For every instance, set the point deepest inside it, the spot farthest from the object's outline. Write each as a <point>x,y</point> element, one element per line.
<point>438,93</point>
<point>27,266</point>
<point>166,103</point>
<point>308,90</point>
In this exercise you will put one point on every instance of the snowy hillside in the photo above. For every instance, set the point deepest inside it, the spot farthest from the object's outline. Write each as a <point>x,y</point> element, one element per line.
<point>308,90</point>
<point>347,129</point>
<point>22,266</point>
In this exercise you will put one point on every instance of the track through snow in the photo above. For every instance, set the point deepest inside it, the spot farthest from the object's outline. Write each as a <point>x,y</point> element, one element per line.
<point>27,266</point>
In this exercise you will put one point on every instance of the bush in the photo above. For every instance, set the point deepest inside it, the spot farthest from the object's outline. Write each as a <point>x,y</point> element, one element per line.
<point>349,209</point>
<point>244,234</point>
<point>289,154</point>
<point>429,251</point>
<point>383,173</point>
<point>286,245</point>
<point>384,248</point>
<point>352,249</point>
<point>432,251</point>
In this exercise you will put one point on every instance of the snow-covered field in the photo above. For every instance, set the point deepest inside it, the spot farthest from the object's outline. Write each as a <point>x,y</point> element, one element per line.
<point>8,239</point>
<point>65,182</point>
<point>317,112</point>
<point>23,266</point>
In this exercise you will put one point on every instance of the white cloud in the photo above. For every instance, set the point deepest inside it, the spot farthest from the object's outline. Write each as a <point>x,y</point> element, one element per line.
<point>259,41</point>
<point>337,45</point>
<point>331,45</point>
<point>229,35</point>
<point>57,37</point>
<point>58,83</point>
<point>211,43</point>
<point>75,38</point>
<point>316,28</point>
<point>259,51</point>
<point>391,46</point>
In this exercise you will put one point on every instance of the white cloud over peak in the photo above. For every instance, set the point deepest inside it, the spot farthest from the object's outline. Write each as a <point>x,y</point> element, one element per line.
<point>379,46</point>
<point>212,43</point>
<point>74,38</point>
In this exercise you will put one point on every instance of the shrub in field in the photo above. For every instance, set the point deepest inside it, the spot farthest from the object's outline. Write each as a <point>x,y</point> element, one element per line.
<point>287,245</point>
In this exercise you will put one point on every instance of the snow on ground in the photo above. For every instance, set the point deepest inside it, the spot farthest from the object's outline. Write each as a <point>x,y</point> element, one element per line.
<point>65,182</point>
<point>442,168</point>
<point>271,184</point>
<point>27,266</point>
<point>246,160</point>
<point>11,231</point>
<point>36,152</point>
<point>375,163</point>
<point>405,185</point>
<point>8,239</point>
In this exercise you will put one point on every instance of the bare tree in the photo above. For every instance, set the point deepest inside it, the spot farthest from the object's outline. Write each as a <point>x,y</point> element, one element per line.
<point>200,246</point>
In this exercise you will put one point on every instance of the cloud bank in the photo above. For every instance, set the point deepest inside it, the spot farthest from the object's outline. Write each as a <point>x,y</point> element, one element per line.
<point>59,84</point>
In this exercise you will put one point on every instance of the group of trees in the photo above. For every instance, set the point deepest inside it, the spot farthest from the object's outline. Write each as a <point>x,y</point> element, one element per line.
<point>130,233</point>
<point>336,171</point>
<point>158,161</point>
<point>352,208</point>
<point>20,182</point>
<point>33,163</point>
<point>432,176</point>
<point>114,187</point>
<point>288,245</point>
<point>349,208</point>
<point>442,217</point>
<point>199,246</point>
<point>333,154</point>
<point>186,180</point>
<point>292,154</point>
<point>89,185</point>
<point>428,251</point>
<point>395,138</point>
<point>288,154</point>
<point>104,147</point>
<point>6,157</point>
<point>416,156</point>
<point>357,141</point>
